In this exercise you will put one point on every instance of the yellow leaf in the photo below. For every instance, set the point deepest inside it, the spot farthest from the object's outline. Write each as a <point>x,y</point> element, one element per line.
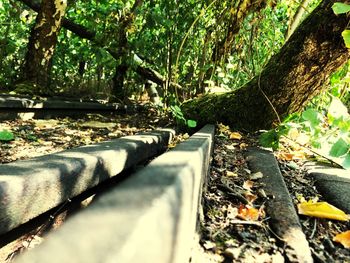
<point>300,197</point>
<point>248,212</point>
<point>322,210</point>
<point>289,156</point>
<point>250,196</point>
<point>223,128</point>
<point>243,146</point>
<point>293,133</point>
<point>235,136</point>
<point>248,185</point>
<point>231,174</point>
<point>343,238</point>
<point>185,136</point>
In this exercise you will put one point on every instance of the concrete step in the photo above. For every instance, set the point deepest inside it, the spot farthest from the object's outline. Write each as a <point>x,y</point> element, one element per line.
<point>333,183</point>
<point>284,219</point>
<point>149,217</point>
<point>13,107</point>
<point>31,187</point>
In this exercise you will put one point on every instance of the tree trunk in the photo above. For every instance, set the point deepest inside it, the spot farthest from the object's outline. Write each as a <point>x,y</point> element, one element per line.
<point>42,43</point>
<point>291,78</point>
<point>83,32</point>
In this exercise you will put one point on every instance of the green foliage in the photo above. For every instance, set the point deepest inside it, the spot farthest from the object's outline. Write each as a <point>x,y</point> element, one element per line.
<point>346,36</point>
<point>340,8</point>
<point>270,139</point>
<point>179,117</point>
<point>6,135</point>
<point>324,125</point>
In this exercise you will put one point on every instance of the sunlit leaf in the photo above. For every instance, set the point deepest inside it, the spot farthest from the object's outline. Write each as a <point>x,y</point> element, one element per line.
<point>248,185</point>
<point>346,37</point>
<point>256,176</point>
<point>312,116</point>
<point>339,148</point>
<point>346,162</point>
<point>191,123</point>
<point>235,136</point>
<point>343,238</point>
<point>293,133</point>
<point>322,210</point>
<point>337,109</point>
<point>250,196</point>
<point>248,212</point>
<point>223,128</point>
<point>340,8</point>
<point>6,135</point>
<point>269,139</point>
<point>231,174</point>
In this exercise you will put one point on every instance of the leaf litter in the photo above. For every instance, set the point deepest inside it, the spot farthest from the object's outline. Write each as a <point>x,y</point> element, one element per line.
<point>234,226</point>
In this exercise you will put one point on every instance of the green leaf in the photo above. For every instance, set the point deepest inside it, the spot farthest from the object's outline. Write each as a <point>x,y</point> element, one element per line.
<point>6,135</point>
<point>340,8</point>
<point>337,109</point>
<point>269,139</point>
<point>340,148</point>
<point>346,37</point>
<point>191,123</point>
<point>346,162</point>
<point>312,116</point>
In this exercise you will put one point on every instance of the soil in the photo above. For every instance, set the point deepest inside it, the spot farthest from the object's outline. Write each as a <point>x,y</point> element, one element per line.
<point>234,226</point>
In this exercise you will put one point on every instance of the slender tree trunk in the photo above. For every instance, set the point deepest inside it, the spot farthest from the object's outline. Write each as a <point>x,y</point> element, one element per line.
<point>238,13</point>
<point>83,32</point>
<point>291,78</point>
<point>123,50</point>
<point>295,21</point>
<point>42,43</point>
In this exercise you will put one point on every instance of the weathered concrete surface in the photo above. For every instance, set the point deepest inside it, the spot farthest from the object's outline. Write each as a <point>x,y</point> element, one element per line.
<point>283,217</point>
<point>150,217</point>
<point>333,183</point>
<point>12,107</point>
<point>29,188</point>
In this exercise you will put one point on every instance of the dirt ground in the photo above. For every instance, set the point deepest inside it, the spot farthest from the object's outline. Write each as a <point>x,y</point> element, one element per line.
<point>234,225</point>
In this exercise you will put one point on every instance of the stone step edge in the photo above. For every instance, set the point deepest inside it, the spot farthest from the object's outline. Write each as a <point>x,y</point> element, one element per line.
<point>284,219</point>
<point>27,104</point>
<point>150,217</point>
<point>31,187</point>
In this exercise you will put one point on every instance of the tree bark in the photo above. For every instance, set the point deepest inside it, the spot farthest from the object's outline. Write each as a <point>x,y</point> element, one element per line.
<point>42,43</point>
<point>291,78</point>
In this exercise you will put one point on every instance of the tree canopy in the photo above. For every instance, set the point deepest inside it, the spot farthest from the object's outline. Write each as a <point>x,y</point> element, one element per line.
<point>192,43</point>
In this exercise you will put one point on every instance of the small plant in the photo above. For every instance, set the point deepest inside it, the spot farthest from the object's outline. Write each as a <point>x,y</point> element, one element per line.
<point>179,117</point>
<point>6,135</point>
<point>326,131</point>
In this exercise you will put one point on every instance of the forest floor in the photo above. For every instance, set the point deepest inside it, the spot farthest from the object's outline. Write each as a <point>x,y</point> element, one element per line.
<point>231,231</point>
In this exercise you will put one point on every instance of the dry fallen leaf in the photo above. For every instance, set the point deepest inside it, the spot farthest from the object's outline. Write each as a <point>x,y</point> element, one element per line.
<point>235,136</point>
<point>248,185</point>
<point>231,174</point>
<point>248,213</point>
<point>256,176</point>
<point>243,146</point>
<point>322,210</point>
<point>343,238</point>
<point>250,196</point>
<point>223,128</point>
<point>289,156</point>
